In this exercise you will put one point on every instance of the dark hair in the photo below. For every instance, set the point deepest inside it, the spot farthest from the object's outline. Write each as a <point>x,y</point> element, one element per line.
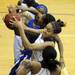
<point>19,3</point>
<point>17,10</point>
<point>49,55</point>
<point>47,18</point>
<point>57,26</point>
<point>61,23</point>
<point>30,3</point>
<point>50,65</point>
<point>35,4</point>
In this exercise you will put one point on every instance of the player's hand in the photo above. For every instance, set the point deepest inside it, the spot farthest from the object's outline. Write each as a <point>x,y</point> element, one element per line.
<point>62,64</point>
<point>51,44</point>
<point>3,18</point>
<point>17,23</point>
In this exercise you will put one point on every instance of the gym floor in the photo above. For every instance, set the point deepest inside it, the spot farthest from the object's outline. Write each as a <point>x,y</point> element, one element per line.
<point>61,9</point>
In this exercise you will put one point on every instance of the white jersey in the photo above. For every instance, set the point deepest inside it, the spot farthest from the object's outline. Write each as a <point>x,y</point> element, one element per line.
<point>38,56</point>
<point>42,72</point>
<point>17,47</point>
<point>17,39</point>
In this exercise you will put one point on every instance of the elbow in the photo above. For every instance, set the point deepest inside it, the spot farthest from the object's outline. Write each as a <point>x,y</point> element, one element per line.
<point>26,46</point>
<point>29,47</point>
<point>32,47</point>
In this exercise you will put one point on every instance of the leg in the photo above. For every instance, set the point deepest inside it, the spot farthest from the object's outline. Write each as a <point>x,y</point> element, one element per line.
<point>24,67</point>
<point>36,67</point>
<point>27,66</point>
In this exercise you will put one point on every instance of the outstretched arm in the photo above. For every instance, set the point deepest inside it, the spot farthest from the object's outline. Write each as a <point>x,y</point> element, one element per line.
<point>60,45</point>
<point>61,50</point>
<point>35,31</point>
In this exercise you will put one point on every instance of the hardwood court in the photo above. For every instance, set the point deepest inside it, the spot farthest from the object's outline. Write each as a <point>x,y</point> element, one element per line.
<point>63,9</point>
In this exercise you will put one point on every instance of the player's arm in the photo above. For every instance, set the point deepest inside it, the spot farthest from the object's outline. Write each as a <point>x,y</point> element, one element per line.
<point>35,31</point>
<point>61,49</point>
<point>60,45</point>
<point>26,42</point>
<point>31,9</point>
<point>27,15</point>
<point>33,46</point>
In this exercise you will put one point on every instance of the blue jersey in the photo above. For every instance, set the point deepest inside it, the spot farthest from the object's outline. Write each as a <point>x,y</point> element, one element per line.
<point>32,37</point>
<point>31,24</point>
<point>34,4</point>
<point>42,8</point>
<point>25,54</point>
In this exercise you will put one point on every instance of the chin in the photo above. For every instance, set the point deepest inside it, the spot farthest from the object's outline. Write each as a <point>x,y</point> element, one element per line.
<point>44,36</point>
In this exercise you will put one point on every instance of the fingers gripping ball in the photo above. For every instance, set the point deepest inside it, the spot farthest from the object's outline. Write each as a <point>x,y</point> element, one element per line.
<point>8,19</point>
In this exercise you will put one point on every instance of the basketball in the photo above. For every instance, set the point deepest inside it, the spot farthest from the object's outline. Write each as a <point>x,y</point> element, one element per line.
<point>9,17</point>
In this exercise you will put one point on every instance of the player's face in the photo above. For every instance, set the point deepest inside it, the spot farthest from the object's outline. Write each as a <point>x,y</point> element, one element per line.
<point>39,18</point>
<point>49,31</point>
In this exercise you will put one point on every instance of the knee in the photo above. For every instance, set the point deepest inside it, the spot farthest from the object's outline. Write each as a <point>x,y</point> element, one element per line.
<point>36,67</point>
<point>23,68</point>
<point>27,66</point>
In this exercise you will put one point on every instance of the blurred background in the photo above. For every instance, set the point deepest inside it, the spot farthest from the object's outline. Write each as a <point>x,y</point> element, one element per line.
<point>61,9</point>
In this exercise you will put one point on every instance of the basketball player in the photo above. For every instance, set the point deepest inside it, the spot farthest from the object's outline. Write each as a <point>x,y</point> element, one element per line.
<point>18,57</point>
<point>58,27</point>
<point>32,3</point>
<point>17,40</point>
<point>28,53</point>
<point>43,23</point>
